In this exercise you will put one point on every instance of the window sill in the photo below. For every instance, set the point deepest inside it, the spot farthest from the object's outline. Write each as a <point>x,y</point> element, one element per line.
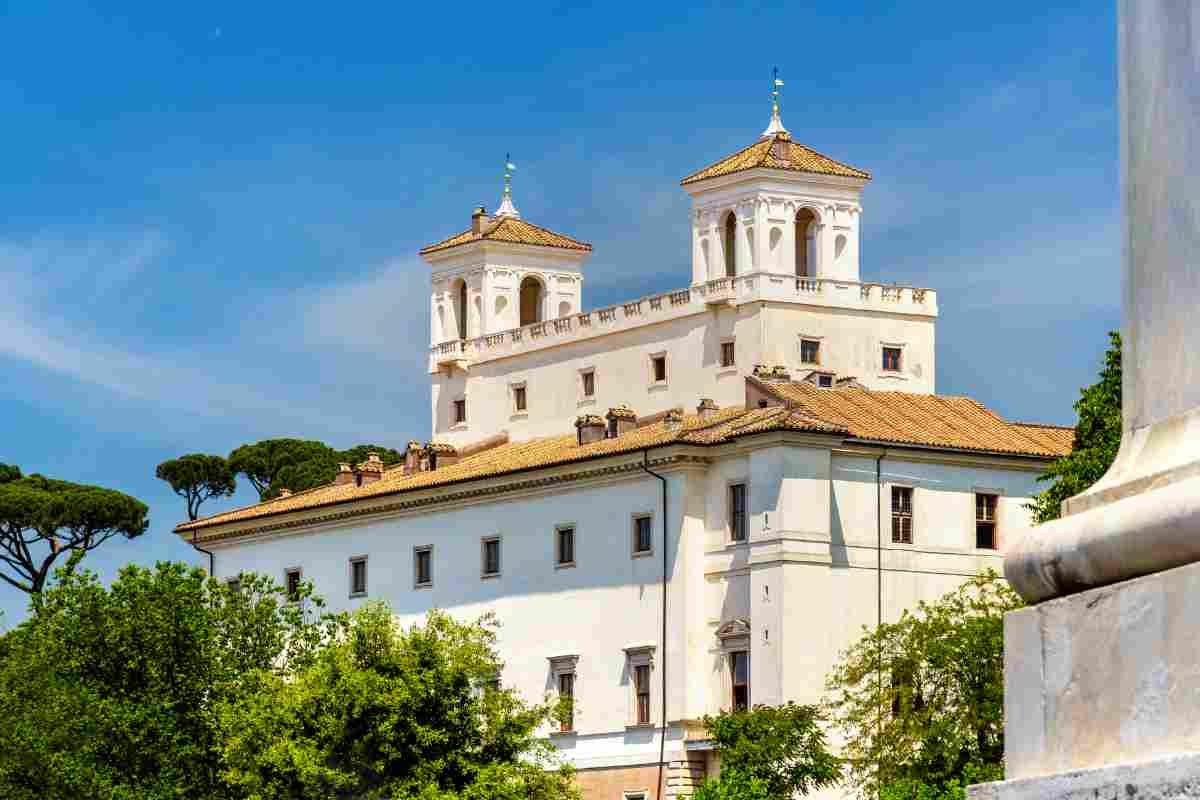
<point>587,401</point>
<point>564,734</point>
<point>518,415</point>
<point>564,565</point>
<point>357,595</point>
<point>640,726</point>
<point>657,385</point>
<point>426,585</point>
<point>893,375</point>
<point>729,370</point>
<point>459,426</point>
<point>641,553</point>
<point>735,544</point>
<point>485,575</point>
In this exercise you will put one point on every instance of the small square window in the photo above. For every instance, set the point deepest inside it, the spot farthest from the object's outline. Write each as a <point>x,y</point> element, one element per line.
<point>423,566</point>
<point>519,398</point>
<point>902,516</point>
<point>727,354</point>
<point>985,521</point>
<point>825,381</point>
<point>292,582</point>
<point>491,556</point>
<point>810,351</point>
<point>589,383</point>
<point>564,545</point>
<point>891,359</point>
<point>460,411</point>
<point>737,512</point>
<point>358,576</point>
<point>643,536</point>
<point>658,368</point>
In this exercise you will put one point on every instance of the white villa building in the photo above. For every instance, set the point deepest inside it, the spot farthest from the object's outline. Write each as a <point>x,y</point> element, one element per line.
<point>678,504</point>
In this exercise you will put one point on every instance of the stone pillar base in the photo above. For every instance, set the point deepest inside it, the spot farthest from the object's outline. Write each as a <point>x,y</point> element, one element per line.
<point>1171,778</point>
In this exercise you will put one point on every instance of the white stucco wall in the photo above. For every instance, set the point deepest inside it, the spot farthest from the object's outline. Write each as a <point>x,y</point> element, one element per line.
<point>807,578</point>
<point>851,343</point>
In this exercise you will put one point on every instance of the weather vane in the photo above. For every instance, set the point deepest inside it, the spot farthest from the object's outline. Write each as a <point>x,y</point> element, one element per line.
<point>775,84</point>
<point>507,209</point>
<point>508,171</point>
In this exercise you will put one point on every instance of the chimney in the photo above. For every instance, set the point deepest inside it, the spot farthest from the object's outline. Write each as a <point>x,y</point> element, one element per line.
<point>479,220</point>
<point>440,455</point>
<point>344,475</point>
<point>621,419</point>
<point>780,147</point>
<point>673,420</point>
<point>412,458</point>
<point>370,470</point>
<point>589,428</point>
<point>707,408</point>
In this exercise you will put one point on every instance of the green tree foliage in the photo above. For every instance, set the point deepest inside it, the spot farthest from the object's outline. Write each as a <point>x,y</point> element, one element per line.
<point>388,712</point>
<point>1097,438</point>
<point>297,464</point>
<point>769,752</point>
<point>117,692</point>
<point>40,519</point>
<point>920,702</point>
<point>198,477</point>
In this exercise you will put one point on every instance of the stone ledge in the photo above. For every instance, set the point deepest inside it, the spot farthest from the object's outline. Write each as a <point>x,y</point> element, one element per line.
<point>1170,778</point>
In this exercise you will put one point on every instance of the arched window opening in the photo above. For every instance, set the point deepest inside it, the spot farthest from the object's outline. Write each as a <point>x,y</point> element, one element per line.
<point>806,243</point>
<point>730,245</point>
<point>460,307</point>
<point>531,301</point>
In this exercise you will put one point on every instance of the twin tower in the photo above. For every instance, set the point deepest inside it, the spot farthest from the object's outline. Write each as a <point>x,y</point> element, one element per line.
<point>774,208</point>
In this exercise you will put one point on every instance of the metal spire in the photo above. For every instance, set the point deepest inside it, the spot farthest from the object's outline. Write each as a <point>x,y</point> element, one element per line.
<point>776,126</point>
<point>507,209</point>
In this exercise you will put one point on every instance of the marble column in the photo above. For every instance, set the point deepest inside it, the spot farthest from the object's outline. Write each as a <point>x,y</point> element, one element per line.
<point>1102,671</point>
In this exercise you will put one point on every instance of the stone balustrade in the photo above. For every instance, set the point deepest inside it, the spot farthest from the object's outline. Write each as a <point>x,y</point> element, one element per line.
<point>753,287</point>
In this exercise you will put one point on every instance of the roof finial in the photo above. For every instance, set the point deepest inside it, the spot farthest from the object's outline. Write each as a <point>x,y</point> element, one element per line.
<point>507,209</point>
<point>776,126</point>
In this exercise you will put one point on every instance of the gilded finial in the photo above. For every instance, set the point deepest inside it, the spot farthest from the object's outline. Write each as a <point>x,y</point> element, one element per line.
<point>507,209</point>
<point>776,126</point>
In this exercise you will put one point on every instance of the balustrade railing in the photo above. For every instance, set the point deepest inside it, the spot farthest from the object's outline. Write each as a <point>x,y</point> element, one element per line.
<point>769,285</point>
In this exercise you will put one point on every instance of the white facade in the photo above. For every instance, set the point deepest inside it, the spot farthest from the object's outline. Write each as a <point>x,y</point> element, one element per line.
<point>818,561</point>
<point>806,580</point>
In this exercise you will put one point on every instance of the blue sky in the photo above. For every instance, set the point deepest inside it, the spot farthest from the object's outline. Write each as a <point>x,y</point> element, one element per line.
<point>209,215</point>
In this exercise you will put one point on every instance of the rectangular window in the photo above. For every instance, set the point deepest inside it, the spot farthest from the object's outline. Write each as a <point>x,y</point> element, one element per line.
<point>293,578</point>
<point>643,540</point>
<point>658,368</point>
<point>985,521</point>
<point>460,411</point>
<point>739,670</point>
<point>423,566</point>
<point>358,576</point>
<point>825,381</point>
<point>727,354</point>
<point>491,556</point>
<point>519,398</point>
<point>565,545</point>
<point>566,689</point>
<point>891,359</point>
<point>641,688</point>
<point>810,351</point>
<point>902,521</point>
<point>589,383</point>
<point>737,512</point>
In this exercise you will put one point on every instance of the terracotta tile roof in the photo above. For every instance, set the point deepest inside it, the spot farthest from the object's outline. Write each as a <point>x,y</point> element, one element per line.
<point>943,422</point>
<point>511,229</point>
<point>721,426</point>
<point>798,158</point>
<point>924,419</point>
